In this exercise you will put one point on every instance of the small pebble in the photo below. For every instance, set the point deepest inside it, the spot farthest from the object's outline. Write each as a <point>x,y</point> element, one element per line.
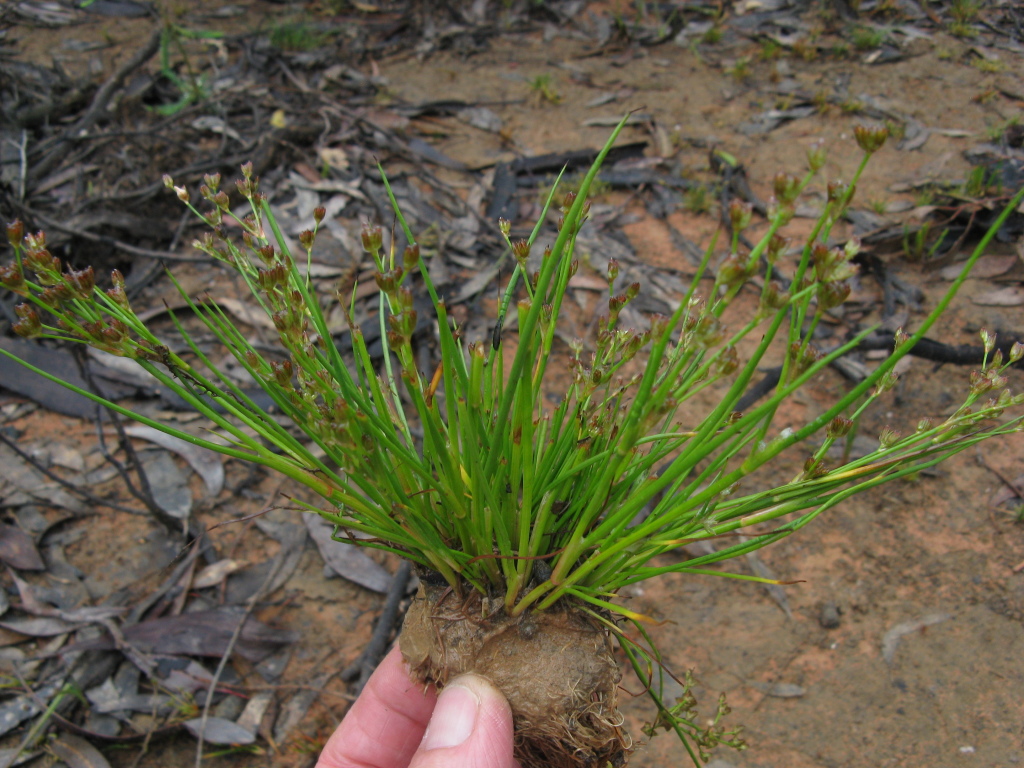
<point>829,616</point>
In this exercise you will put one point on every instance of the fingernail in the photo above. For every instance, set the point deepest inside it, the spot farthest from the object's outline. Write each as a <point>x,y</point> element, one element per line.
<point>454,718</point>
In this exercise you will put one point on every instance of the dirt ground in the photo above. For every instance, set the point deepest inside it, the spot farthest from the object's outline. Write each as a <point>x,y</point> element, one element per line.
<point>902,645</point>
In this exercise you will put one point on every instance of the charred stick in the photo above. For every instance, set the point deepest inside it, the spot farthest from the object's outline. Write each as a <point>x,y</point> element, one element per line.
<point>580,158</point>
<point>766,384</point>
<point>937,352</point>
<point>926,349</point>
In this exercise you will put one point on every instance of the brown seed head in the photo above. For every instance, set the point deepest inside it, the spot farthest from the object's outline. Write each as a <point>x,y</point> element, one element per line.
<point>55,295</point>
<point>613,271</point>
<point>28,326</point>
<point>372,237</point>
<point>837,190</point>
<point>740,214</point>
<point>35,241</point>
<point>787,187</point>
<point>267,254</point>
<point>776,247</point>
<point>888,437</point>
<point>870,139</point>
<point>816,156</point>
<point>15,232</point>
<point>838,427</point>
<point>282,373</point>
<point>411,257</point>
<point>82,281</point>
<point>12,279</point>
<point>1016,352</point>
<point>521,251</point>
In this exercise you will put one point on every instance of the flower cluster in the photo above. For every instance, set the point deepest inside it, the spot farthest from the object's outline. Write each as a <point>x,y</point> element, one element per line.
<point>65,303</point>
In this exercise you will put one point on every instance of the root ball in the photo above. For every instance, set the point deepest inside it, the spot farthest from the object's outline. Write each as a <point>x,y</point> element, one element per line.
<point>556,669</point>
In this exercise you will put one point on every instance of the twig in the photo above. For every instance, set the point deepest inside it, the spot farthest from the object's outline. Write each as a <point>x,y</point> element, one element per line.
<point>193,170</point>
<point>65,724</point>
<point>241,690</point>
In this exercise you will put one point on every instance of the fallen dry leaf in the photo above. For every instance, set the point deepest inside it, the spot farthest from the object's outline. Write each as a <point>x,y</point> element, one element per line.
<point>77,752</point>
<point>346,560</point>
<point>39,627</point>
<point>1010,296</point>
<point>16,711</point>
<point>1006,493</point>
<point>986,266</point>
<point>588,282</point>
<point>214,574</point>
<point>891,639</point>
<point>336,157</point>
<point>780,690</point>
<point>207,464</point>
<point>250,314</point>
<point>203,633</point>
<point>220,731</point>
<point>255,709</point>
<point>18,550</point>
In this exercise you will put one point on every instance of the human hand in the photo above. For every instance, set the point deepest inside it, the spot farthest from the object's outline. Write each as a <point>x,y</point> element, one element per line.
<point>396,724</point>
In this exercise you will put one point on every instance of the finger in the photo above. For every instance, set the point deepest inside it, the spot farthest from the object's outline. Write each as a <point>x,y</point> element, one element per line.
<point>471,728</point>
<point>385,725</point>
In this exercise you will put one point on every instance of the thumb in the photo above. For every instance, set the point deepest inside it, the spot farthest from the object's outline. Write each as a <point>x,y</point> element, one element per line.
<point>471,727</point>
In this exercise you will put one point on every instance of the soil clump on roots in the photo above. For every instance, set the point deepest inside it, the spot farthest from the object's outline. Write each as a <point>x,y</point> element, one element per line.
<point>556,668</point>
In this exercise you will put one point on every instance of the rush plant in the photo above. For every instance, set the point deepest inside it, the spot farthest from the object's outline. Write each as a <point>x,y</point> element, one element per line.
<point>526,519</point>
